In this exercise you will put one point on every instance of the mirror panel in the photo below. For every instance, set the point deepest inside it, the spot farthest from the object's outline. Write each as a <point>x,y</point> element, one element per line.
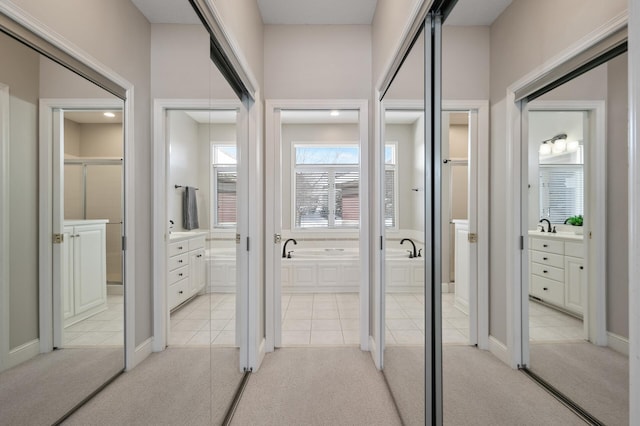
<point>404,264</point>
<point>64,337</point>
<point>575,296</point>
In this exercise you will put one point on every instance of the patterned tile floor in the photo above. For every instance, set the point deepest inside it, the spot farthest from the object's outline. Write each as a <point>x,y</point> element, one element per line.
<point>207,319</point>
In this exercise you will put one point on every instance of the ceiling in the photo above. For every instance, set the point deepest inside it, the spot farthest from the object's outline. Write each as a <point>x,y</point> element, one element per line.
<point>93,117</point>
<point>330,12</point>
<point>334,12</point>
<point>213,117</point>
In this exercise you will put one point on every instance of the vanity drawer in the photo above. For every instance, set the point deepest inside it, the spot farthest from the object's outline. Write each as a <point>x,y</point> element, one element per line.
<point>178,261</point>
<point>549,246</point>
<point>549,259</point>
<point>196,243</point>
<point>178,274</point>
<point>547,271</point>
<point>178,293</point>
<point>548,290</point>
<point>178,248</point>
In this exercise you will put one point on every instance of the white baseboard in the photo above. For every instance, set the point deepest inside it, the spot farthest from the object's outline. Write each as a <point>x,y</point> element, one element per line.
<point>448,287</point>
<point>143,350</point>
<point>23,353</point>
<point>115,289</point>
<point>373,349</point>
<point>618,343</point>
<point>499,350</point>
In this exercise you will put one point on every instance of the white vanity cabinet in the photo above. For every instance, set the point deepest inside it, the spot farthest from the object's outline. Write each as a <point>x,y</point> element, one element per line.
<point>84,270</point>
<point>556,271</point>
<point>186,268</point>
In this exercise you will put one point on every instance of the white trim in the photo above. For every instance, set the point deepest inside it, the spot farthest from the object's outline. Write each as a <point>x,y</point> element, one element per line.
<point>634,209</point>
<point>618,343</point>
<point>595,298</point>
<point>373,348</point>
<point>4,226</point>
<point>23,353</point>
<point>273,226</point>
<point>143,350</point>
<point>498,349</point>
<point>514,256</point>
<point>50,321</point>
<point>115,289</point>
<point>160,229</point>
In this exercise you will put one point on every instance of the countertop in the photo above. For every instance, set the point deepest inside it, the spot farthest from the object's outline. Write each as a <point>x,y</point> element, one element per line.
<point>185,235</point>
<point>564,236</point>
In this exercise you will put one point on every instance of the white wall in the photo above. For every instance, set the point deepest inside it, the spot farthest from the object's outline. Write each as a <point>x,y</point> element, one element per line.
<point>183,165</point>
<point>528,33</point>
<point>181,67</point>
<point>403,134</point>
<point>317,61</point>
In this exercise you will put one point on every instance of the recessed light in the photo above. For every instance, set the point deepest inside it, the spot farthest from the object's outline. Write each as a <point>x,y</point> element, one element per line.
<point>335,113</point>
<point>109,114</point>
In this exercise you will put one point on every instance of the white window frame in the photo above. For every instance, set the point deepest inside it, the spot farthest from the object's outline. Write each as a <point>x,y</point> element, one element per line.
<point>213,178</point>
<point>394,167</point>
<point>331,169</point>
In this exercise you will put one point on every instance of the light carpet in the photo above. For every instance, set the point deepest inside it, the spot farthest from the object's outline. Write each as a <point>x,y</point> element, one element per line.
<point>478,389</point>
<point>317,386</point>
<point>43,389</point>
<point>179,386</point>
<point>595,377</point>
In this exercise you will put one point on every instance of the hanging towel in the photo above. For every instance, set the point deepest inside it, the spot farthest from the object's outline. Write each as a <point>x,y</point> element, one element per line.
<point>189,209</point>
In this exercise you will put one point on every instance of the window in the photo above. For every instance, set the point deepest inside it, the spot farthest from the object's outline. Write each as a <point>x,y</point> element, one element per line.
<point>561,191</point>
<point>326,185</point>
<point>390,184</point>
<point>224,181</point>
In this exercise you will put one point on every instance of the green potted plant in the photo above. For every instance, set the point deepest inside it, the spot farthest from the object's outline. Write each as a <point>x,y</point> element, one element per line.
<point>574,220</point>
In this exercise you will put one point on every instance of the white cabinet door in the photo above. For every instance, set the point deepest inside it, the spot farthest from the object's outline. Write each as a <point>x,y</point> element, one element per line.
<point>197,272</point>
<point>462,268</point>
<point>573,283</point>
<point>91,274</point>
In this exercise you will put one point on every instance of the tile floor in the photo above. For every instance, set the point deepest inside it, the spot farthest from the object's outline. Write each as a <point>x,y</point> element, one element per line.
<point>103,329</point>
<point>549,325</point>
<point>207,319</point>
<point>320,319</point>
<point>405,320</point>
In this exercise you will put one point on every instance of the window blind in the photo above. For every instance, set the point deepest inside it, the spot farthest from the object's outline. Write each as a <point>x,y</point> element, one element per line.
<point>312,199</point>
<point>389,198</point>
<point>347,199</point>
<point>561,192</point>
<point>226,197</point>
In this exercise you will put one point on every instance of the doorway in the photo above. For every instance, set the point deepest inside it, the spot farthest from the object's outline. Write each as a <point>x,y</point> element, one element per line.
<point>317,274</point>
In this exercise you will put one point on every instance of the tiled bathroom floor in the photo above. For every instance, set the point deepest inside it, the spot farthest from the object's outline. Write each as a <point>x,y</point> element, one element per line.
<point>207,319</point>
<point>320,319</point>
<point>103,329</point>
<point>405,320</point>
<point>549,325</point>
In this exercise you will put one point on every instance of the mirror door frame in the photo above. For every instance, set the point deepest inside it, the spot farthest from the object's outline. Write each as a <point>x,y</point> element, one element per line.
<point>595,211</point>
<point>160,222</point>
<point>273,221</point>
<point>515,262</point>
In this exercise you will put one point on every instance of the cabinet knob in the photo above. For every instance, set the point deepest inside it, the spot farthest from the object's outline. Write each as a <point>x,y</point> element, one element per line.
<point>545,288</point>
<point>180,247</point>
<point>199,255</point>
<point>179,275</point>
<point>545,258</point>
<point>545,245</point>
<point>180,261</point>
<point>582,267</point>
<point>545,271</point>
<point>180,292</point>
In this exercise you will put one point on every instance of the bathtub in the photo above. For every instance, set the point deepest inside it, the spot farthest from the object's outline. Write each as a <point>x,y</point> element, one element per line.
<point>321,270</point>
<point>221,270</point>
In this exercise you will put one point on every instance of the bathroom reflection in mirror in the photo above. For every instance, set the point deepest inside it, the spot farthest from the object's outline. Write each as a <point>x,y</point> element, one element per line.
<point>64,337</point>
<point>404,236</point>
<point>577,233</point>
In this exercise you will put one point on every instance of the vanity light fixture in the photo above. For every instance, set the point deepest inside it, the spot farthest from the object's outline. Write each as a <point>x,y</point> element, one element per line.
<point>334,113</point>
<point>556,144</point>
<point>109,114</point>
